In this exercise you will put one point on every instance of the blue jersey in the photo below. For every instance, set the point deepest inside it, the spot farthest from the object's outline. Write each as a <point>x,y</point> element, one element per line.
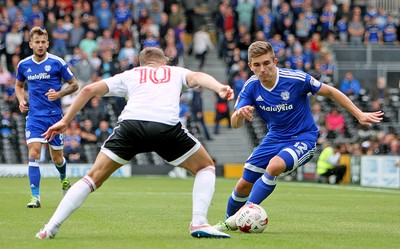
<point>285,108</point>
<point>41,77</point>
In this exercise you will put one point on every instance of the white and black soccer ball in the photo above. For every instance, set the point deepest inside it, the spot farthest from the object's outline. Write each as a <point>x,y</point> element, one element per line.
<point>252,218</point>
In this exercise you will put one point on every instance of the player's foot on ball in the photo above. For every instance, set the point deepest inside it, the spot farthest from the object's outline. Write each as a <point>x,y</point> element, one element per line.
<point>34,203</point>
<point>65,185</point>
<point>207,231</point>
<point>44,234</point>
<point>231,222</point>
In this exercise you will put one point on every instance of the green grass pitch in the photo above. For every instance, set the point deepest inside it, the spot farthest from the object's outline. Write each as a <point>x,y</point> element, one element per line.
<point>154,212</point>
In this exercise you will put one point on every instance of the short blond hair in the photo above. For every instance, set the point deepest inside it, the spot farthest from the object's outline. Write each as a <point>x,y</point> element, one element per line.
<point>259,48</point>
<point>152,55</point>
<point>38,31</point>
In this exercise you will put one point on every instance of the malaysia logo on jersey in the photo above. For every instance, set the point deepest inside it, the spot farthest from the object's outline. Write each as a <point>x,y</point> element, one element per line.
<point>277,108</point>
<point>40,76</point>
<point>285,95</point>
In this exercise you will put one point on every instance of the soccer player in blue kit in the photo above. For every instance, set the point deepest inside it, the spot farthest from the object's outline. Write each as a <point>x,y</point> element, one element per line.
<point>280,96</point>
<point>44,74</point>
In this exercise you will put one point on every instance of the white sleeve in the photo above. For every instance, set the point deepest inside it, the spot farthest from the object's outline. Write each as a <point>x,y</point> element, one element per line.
<point>116,86</point>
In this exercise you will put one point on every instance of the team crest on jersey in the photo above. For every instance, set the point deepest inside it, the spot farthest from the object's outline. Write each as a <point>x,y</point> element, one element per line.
<point>27,134</point>
<point>47,68</point>
<point>315,82</point>
<point>285,95</point>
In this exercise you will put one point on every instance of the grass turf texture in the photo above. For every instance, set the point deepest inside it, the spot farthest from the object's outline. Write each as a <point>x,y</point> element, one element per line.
<point>154,212</point>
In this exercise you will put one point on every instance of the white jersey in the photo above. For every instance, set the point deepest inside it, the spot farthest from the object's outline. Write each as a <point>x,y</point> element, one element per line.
<point>153,93</point>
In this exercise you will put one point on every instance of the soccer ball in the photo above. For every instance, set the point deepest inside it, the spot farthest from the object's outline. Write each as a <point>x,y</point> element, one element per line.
<point>251,218</point>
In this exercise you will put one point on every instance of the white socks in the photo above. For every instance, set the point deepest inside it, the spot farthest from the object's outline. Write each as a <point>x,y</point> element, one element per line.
<point>203,191</point>
<point>74,198</point>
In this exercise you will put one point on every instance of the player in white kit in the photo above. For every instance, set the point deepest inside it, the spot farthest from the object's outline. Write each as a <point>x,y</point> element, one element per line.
<point>149,122</point>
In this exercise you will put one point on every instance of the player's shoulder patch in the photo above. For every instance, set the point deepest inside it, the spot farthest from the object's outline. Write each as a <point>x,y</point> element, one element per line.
<point>315,82</point>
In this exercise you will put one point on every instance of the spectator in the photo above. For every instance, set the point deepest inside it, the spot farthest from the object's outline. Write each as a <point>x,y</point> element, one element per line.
<point>389,31</point>
<point>88,140</point>
<point>381,92</point>
<point>87,132</point>
<point>245,11</point>
<point>356,30</point>
<point>394,148</point>
<point>86,15</point>
<point>335,123</point>
<point>327,19</point>
<point>350,86</point>
<point>201,45</point>
<point>75,153</point>
<point>176,16</point>
<point>197,111</point>
<point>102,133</point>
<point>76,34</point>
<point>373,33</point>
<point>36,14</point>
<point>51,24</point>
<point>104,15</point>
<point>239,81</point>
<point>60,38</point>
<point>318,116</point>
<point>184,112</point>
<point>171,51</point>
<point>5,76</point>
<point>89,44</point>
<point>122,12</point>
<point>109,64</point>
<point>311,17</point>
<point>164,26</point>
<point>129,52</point>
<point>84,71</point>
<point>8,126</point>
<point>122,33</point>
<point>328,164</point>
<point>95,60</point>
<point>96,111</point>
<point>342,29</point>
<point>303,27</point>
<point>106,42</point>
<point>221,112</point>
<point>13,39</point>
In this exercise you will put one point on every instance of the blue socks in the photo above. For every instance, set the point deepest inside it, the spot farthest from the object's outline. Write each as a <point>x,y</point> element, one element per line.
<point>235,202</point>
<point>62,168</point>
<point>262,188</point>
<point>34,176</point>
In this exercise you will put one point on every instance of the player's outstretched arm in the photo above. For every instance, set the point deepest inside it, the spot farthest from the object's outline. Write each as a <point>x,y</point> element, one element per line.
<point>195,79</point>
<point>365,118</point>
<point>98,88</point>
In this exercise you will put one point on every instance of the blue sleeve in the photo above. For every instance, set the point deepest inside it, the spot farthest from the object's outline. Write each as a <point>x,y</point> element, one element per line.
<point>66,72</point>
<point>20,76</point>
<point>244,97</point>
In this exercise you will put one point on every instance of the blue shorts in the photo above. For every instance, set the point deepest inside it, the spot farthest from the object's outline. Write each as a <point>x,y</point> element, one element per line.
<point>36,126</point>
<point>295,153</point>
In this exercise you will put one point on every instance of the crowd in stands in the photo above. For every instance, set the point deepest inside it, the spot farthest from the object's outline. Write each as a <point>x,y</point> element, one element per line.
<point>101,38</point>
